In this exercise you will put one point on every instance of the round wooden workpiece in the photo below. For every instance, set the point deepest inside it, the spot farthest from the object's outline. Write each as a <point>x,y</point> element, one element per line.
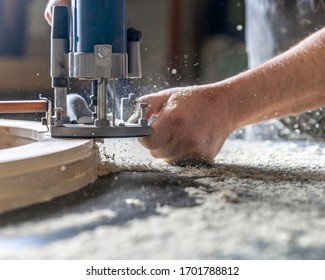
<point>35,167</point>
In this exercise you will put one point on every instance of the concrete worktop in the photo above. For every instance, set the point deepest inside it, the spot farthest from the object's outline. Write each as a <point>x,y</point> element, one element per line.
<point>261,200</point>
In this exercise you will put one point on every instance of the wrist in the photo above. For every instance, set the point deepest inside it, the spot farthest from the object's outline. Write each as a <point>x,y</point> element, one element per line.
<point>219,101</point>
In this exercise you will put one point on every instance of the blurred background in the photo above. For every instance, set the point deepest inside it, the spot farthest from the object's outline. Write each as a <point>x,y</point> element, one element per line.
<point>185,42</point>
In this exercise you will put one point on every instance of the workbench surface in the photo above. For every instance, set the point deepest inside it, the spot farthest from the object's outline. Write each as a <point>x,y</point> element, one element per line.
<point>261,200</point>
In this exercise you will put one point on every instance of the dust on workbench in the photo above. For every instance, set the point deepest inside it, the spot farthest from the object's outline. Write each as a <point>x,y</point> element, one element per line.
<point>256,159</point>
<point>239,167</point>
<point>261,200</point>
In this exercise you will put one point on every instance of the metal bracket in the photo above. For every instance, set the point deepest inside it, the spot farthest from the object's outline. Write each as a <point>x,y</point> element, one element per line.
<point>46,121</point>
<point>103,63</point>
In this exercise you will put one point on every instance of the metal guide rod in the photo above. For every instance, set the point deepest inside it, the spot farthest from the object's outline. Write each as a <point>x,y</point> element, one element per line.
<point>114,100</point>
<point>60,98</point>
<point>23,106</point>
<point>102,100</point>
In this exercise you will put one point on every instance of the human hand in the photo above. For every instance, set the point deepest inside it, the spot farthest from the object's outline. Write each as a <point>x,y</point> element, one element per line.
<point>191,126</point>
<point>51,3</point>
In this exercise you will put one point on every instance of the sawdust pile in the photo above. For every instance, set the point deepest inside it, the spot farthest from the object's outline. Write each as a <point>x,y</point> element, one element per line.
<point>118,155</point>
<point>281,160</point>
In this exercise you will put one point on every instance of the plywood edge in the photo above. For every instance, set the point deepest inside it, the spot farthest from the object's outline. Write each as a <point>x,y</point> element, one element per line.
<point>44,169</point>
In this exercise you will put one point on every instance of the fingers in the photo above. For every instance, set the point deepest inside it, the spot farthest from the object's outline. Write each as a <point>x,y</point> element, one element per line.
<point>51,3</point>
<point>188,152</point>
<point>161,133</point>
<point>172,138</point>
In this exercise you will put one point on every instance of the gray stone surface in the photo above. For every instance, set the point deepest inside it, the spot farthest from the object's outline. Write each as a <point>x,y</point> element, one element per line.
<point>261,200</point>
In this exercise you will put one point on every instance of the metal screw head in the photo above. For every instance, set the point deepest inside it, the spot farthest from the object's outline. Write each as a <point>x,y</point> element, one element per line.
<point>104,52</point>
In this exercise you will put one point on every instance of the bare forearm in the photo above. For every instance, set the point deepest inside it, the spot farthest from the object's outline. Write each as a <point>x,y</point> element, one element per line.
<point>288,84</point>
